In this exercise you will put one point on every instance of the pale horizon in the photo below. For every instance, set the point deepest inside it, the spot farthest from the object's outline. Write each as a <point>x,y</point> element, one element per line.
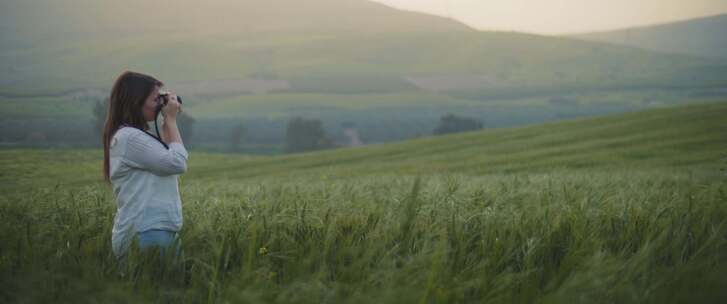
<point>562,17</point>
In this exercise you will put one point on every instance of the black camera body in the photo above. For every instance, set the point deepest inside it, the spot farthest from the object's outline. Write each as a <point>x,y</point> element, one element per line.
<point>163,99</point>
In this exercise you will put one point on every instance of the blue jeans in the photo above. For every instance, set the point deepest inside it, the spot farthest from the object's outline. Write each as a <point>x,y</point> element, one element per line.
<point>154,238</point>
<point>159,238</point>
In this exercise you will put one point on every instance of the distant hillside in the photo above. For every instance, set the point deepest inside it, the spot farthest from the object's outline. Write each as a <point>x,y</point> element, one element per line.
<point>51,48</point>
<point>42,19</point>
<point>481,62</point>
<point>700,37</point>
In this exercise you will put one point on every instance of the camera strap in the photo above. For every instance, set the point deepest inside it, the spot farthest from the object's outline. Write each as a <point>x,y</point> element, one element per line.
<point>156,126</point>
<point>152,135</point>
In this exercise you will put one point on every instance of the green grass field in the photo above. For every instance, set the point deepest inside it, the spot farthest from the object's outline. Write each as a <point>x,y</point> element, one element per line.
<point>625,208</point>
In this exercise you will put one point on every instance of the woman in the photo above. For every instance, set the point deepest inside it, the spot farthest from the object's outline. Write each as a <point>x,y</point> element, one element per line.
<point>141,168</point>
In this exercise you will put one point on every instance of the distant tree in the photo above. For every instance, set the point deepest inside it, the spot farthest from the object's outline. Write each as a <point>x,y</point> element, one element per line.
<point>100,110</point>
<point>306,135</point>
<point>186,127</point>
<point>563,101</point>
<point>37,137</point>
<point>451,123</point>
<point>237,135</point>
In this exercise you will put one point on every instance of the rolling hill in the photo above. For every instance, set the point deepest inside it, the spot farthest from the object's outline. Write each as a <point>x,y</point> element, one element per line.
<point>675,138</point>
<point>669,138</point>
<point>52,21</point>
<point>350,62</point>
<point>705,37</point>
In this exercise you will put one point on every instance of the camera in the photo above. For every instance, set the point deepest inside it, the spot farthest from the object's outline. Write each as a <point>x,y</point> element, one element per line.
<point>163,99</point>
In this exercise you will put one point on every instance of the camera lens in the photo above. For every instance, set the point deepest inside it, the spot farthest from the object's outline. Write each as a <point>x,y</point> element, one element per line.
<point>163,98</point>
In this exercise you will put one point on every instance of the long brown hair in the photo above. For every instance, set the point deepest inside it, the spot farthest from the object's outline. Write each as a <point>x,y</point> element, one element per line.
<point>127,99</point>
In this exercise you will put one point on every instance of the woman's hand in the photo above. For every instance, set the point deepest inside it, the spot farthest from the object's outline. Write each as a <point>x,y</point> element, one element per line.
<point>172,107</point>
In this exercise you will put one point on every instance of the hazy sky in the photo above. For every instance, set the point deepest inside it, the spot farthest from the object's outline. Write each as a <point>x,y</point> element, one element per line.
<point>563,16</point>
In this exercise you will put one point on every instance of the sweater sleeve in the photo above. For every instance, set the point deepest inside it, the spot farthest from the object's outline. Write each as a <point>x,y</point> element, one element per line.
<point>146,153</point>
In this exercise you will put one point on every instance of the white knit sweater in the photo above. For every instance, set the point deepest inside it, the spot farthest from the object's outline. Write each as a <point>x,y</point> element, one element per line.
<point>144,177</point>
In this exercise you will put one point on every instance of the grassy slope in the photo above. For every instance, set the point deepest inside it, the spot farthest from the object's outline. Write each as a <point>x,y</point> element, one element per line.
<point>618,209</point>
<point>678,137</point>
<point>672,138</point>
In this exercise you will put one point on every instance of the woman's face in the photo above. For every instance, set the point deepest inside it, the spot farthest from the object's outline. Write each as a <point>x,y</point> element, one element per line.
<point>150,105</point>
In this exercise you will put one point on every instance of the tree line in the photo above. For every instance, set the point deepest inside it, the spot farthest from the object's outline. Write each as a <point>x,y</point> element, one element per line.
<point>298,133</point>
<point>301,134</point>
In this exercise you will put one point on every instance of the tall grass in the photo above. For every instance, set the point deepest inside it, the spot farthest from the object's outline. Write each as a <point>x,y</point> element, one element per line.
<point>571,236</point>
<point>611,210</point>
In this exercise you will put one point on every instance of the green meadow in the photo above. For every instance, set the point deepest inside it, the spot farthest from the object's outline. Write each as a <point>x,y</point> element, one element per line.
<point>627,208</point>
